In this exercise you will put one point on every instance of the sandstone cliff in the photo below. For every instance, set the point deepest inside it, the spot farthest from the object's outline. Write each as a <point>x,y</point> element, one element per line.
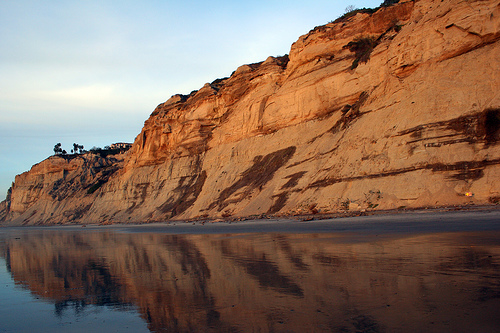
<point>400,107</point>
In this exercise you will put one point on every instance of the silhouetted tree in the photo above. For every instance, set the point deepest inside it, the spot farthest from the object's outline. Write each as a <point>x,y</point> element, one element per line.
<point>350,8</point>
<point>57,148</point>
<point>77,148</point>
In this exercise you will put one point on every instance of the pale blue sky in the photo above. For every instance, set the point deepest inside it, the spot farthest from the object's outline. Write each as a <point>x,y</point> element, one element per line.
<point>91,72</point>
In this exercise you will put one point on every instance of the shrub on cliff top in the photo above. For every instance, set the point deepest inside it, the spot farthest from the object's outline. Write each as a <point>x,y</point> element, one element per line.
<point>106,151</point>
<point>352,11</point>
<point>388,3</point>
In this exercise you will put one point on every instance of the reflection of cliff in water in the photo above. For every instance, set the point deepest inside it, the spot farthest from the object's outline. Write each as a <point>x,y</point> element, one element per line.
<point>269,282</point>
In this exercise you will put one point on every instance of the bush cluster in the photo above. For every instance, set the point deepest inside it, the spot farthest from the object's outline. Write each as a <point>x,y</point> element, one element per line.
<point>362,48</point>
<point>352,11</point>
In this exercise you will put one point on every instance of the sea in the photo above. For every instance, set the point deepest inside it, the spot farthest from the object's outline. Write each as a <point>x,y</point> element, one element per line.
<point>421,271</point>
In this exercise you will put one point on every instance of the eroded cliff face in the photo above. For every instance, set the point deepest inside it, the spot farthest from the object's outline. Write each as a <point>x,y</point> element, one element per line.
<point>59,189</point>
<point>396,108</point>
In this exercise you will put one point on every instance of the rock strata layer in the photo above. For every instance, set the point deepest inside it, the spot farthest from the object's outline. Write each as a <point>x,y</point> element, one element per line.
<point>400,107</point>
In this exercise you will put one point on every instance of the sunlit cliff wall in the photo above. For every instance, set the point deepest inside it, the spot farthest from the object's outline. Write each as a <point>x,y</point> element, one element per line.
<point>400,107</point>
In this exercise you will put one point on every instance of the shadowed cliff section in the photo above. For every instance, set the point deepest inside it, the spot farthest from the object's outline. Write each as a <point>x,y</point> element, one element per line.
<point>384,108</point>
<point>482,127</point>
<point>188,190</point>
<point>257,176</point>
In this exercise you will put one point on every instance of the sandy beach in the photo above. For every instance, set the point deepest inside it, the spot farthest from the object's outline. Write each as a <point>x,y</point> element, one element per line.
<point>372,223</point>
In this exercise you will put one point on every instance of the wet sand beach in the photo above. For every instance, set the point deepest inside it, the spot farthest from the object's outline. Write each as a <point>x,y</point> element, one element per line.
<point>419,271</point>
<point>371,223</point>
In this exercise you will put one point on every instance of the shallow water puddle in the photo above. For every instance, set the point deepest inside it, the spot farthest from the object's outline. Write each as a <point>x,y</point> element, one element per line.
<point>110,281</point>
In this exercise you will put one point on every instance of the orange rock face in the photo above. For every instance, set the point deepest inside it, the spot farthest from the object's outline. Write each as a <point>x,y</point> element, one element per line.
<point>377,111</point>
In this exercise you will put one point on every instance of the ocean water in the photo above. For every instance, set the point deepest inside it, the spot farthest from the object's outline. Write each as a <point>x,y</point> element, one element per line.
<point>23,311</point>
<point>310,280</point>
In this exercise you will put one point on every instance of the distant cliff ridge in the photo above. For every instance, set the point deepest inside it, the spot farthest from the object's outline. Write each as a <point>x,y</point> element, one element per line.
<point>400,107</point>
